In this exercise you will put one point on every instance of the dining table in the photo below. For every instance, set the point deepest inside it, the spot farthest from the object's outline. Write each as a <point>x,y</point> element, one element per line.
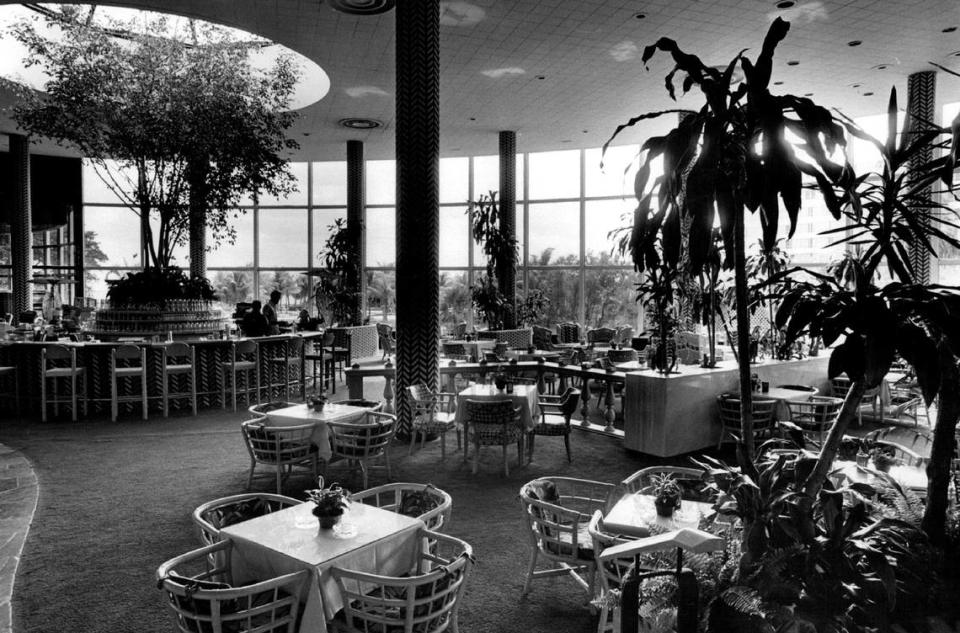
<point>524,396</point>
<point>303,414</point>
<point>367,539</point>
<point>474,348</point>
<point>635,515</point>
<point>912,477</point>
<point>784,396</point>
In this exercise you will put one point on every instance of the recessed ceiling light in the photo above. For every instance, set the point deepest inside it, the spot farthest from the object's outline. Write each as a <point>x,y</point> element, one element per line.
<point>585,131</point>
<point>868,94</point>
<point>955,54</point>
<point>778,83</point>
<point>854,43</point>
<point>639,16</point>
<point>793,62</point>
<point>362,7</point>
<point>785,4</point>
<point>473,118</point>
<point>566,140</point>
<point>808,94</point>
<point>855,85</point>
<point>541,77</point>
<point>306,133</point>
<point>881,67</point>
<point>950,29</point>
<point>360,124</point>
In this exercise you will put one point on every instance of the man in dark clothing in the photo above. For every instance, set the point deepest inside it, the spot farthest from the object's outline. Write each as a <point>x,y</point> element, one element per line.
<point>253,322</point>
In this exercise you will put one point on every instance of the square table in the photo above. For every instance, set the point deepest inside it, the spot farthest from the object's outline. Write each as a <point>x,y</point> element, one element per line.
<point>304,414</point>
<point>636,515</point>
<point>289,540</point>
<point>912,477</point>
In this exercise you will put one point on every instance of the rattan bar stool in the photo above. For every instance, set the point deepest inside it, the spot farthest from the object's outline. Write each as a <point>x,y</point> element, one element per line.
<point>57,363</point>
<point>123,367</point>
<point>244,362</point>
<point>184,364</point>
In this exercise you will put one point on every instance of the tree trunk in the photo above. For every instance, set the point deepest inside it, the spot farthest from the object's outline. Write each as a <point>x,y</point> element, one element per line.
<point>828,452</point>
<point>938,470</point>
<point>745,448</point>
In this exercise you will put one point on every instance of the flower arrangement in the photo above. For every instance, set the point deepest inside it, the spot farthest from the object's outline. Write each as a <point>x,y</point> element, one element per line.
<point>330,503</point>
<point>318,401</point>
<point>666,492</point>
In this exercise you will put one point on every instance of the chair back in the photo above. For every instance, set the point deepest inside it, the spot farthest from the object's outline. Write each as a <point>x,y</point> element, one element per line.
<point>454,349</point>
<point>816,414</point>
<point>244,348</point>
<point>600,335</point>
<point>385,334</point>
<point>542,337</point>
<point>622,355</point>
<point>625,334</point>
<point>568,332</point>
<point>373,405</point>
<point>363,440</point>
<point>426,502</point>
<point>198,591</point>
<point>569,402</point>
<point>215,515</point>
<point>328,338</point>
<point>259,410</point>
<point>179,351</point>
<point>911,445</point>
<point>294,348</point>
<point>425,601</point>
<point>611,572</point>
<point>764,413</point>
<point>554,508</point>
<point>127,352</point>
<point>494,422</point>
<point>59,353</point>
<point>693,486</point>
<point>277,445</point>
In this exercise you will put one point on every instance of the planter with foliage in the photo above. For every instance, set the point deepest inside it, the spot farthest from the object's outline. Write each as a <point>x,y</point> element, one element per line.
<point>337,291</point>
<point>667,493</point>
<point>329,504</point>
<point>501,251</point>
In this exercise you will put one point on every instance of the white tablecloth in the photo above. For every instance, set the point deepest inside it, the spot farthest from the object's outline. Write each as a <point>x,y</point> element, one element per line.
<point>636,515</point>
<point>304,414</point>
<point>290,540</point>
<point>913,477</point>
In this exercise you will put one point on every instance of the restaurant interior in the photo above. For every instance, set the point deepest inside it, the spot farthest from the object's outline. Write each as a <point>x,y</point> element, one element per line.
<point>384,316</point>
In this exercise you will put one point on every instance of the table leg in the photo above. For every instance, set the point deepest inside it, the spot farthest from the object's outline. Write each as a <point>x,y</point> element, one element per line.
<point>388,406</point>
<point>585,401</point>
<point>354,386</point>
<point>610,414</point>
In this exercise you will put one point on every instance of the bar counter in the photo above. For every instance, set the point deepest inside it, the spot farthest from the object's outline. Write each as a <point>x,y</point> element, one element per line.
<point>95,356</point>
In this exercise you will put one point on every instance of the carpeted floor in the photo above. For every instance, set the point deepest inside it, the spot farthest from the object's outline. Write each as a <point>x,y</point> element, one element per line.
<point>115,501</point>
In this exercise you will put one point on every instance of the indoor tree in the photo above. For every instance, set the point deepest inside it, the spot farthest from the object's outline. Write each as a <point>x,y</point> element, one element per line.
<point>177,126</point>
<point>337,289</point>
<point>501,251</point>
<point>730,156</point>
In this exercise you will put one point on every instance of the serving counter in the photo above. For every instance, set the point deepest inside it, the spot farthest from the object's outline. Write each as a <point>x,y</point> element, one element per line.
<point>95,357</point>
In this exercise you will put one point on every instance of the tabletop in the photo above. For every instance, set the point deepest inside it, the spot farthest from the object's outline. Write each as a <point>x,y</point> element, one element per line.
<point>636,515</point>
<point>304,413</point>
<point>913,477</point>
<point>368,539</point>
<point>780,393</point>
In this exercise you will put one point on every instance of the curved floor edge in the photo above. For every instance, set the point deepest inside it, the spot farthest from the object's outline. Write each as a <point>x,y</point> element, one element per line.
<point>18,502</point>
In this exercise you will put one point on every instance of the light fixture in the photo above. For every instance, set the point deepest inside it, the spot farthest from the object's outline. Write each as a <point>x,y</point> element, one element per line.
<point>360,124</point>
<point>793,62</point>
<point>362,7</point>
<point>785,4</point>
<point>639,16</point>
<point>854,43</point>
<point>868,94</point>
<point>949,29</point>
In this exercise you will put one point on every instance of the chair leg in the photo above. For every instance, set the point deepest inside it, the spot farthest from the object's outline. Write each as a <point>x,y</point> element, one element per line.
<point>532,566</point>
<point>113,398</point>
<point>253,464</point>
<point>413,440</point>
<point>143,392</point>
<point>443,444</point>
<point>566,440</point>
<point>506,465</point>
<point>73,398</point>
<point>193,393</point>
<point>476,455</point>
<point>279,480</point>
<point>530,437</point>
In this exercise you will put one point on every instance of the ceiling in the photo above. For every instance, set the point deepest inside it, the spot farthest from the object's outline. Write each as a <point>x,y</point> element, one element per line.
<point>564,73</point>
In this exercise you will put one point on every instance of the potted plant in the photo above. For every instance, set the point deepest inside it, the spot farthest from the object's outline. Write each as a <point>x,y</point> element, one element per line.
<point>330,504</point>
<point>883,458</point>
<point>318,401</point>
<point>666,492</point>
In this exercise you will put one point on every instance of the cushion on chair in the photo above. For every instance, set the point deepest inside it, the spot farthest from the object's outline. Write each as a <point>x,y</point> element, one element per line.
<point>551,428</point>
<point>414,503</point>
<point>238,512</point>
<point>543,490</point>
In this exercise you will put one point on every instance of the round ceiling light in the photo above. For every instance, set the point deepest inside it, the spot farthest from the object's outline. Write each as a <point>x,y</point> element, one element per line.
<point>360,124</point>
<point>854,43</point>
<point>949,29</point>
<point>362,7</point>
<point>785,4</point>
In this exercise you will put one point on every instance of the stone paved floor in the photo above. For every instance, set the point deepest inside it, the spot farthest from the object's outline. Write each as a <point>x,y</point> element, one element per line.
<point>18,501</point>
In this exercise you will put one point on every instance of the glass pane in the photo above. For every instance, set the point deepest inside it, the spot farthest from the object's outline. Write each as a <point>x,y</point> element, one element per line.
<point>562,288</point>
<point>554,175</point>
<point>95,190</point>
<point>330,183</point>
<point>486,175</point>
<point>454,236</point>
<point>233,287</point>
<point>381,182</point>
<point>554,234</point>
<point>323,220</point>
<point>294,288</point>
<point>180,251</point>
<point>616,176</point>
<point>237,253</point>
<point>610,298</point>
<point>454,180</point>
<point>602,217</point>
<point>381,237</point>
<point>283,238</point>
<point>382,295</point>
<point>115,233</point>
<point>296,197</point>
<point>455,302</point>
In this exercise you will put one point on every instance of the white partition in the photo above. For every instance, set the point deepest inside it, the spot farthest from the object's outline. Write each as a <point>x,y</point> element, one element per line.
<point>676,414</point>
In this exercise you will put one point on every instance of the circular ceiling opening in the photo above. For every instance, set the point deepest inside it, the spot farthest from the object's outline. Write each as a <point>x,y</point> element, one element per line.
<point>360,124</point>
<point>362,7</point>
<point>312,82</point>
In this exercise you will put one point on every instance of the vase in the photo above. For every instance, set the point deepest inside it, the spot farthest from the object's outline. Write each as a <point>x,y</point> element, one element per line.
<point>665,508</point>
<point>327,521</point>
<point>882,465</point>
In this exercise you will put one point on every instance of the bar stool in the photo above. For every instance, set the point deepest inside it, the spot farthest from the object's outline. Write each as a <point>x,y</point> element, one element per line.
<point>337,356</point>
<point>58,362</point>
<point>281,366</point>
<point>316,358</point>
<point>184,361</point>
<point>244,359</point>
<point>122,367</point>
<point>9,378</point>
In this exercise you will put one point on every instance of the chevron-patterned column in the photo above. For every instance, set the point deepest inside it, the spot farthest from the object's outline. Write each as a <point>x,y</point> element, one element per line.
<point>418,215</point>
<point>356,211</point>
<point>921,104</point>
<point>197,221</point>
<point>21,225</point>
<point>507,274</point>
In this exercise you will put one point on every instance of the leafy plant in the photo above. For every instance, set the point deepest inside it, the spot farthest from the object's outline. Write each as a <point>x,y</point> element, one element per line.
<point>533,307</point>
<point>501,252</point>
<point>157,286</point>
<point>329,501</point>
<point>666,490</point>
<point>338,283</point>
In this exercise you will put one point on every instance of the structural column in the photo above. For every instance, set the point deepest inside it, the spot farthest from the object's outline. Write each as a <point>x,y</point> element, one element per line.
<point>418,215</point>
<point>507,275</point>
<point>21,225</point>
<point>921,115</point>
<point>356,211</point>
<point>197,179</point>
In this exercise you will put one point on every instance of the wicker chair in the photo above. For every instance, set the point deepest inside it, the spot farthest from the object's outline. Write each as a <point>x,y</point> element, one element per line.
<point>610,574</point>
<point>128,362</point>
<point>604,335</point>
<point>556,511</point>
<point>814,416</point>
<point>542,337</point>
<point>215,515</point>
<point>179,362</point>
<point>57,363</point>
<point>281,447</point>
<point>199,591</point>
<point>432,414</point>
<point>362,442</point>
<point>286,369</point>
<point>568,332</point>
<point>244,361</point>
<point>552,408</point>
<point>493,423</point>
<point>911,445</point>
<point>260,409</point>
<point>839,387</point>
<point>693,486</point>
<point>420,501</point>
<point>425,601</point>
<point>764,417</point>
